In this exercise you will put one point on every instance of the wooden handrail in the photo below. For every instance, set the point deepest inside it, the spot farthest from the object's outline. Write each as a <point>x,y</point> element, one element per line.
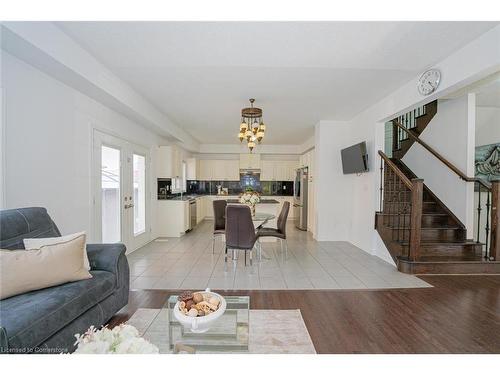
<point>396,170</point>
<point>442,158</point>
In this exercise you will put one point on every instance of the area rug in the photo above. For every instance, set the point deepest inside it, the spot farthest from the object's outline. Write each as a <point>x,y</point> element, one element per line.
<point>271,331</point>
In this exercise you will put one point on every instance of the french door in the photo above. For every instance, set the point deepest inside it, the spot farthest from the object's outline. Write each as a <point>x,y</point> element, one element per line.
<point>121,191</point>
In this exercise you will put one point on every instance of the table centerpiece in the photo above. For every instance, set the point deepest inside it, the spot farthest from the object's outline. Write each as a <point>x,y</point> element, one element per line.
<point>250,197</point>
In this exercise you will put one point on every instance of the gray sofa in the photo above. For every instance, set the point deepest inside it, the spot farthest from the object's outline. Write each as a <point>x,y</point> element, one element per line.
<point>46,320</point>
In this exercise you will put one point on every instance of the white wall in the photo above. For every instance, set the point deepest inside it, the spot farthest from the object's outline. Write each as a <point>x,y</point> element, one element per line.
<point>333,195</point>
<point>48,144</point>
<point>487,125</point>
<point>451,133</point>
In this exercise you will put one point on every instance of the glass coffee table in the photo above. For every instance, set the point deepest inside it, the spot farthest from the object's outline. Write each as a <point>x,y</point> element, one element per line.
<point>228,334</point>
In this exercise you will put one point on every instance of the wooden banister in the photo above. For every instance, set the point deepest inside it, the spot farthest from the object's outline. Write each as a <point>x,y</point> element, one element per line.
<point>442,158</point>
<point>495,221</point>
<point>396,170</point>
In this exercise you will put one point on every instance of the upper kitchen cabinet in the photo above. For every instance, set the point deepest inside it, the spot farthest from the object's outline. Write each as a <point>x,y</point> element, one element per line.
<point>268,170</point>
<point>249,161</point>
<point>192,169</point>
<point>232,170</point>
<point>206,170</point>
<point>219,170</point>
<point>169,163</point>
<point>278,170</point>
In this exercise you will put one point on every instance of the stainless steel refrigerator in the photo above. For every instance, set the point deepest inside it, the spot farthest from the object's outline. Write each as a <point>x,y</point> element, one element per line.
<point>300,198</point>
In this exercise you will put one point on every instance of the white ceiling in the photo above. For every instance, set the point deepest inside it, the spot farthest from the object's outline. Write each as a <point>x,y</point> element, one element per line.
<point>201,74</point>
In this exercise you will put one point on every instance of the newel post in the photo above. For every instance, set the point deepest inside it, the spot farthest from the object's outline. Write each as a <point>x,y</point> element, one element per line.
<point>417,194</point>
<point>495,221</point>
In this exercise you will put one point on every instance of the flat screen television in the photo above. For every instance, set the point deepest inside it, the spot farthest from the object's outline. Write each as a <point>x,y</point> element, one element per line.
<point>354,159</point>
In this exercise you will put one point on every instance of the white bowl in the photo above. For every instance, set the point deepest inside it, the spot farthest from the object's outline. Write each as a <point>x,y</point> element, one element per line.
<point>200,324</point>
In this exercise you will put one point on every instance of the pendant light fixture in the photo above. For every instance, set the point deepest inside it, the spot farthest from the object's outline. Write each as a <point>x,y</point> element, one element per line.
<point>252,127</point>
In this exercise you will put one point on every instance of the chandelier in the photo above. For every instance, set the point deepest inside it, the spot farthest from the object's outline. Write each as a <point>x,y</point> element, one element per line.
<point>252,128</point>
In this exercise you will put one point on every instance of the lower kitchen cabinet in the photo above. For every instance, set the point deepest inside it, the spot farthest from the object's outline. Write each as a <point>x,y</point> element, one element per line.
<point>172,218</point>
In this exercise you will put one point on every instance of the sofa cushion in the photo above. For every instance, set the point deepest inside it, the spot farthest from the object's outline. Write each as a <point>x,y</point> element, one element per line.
<point>20,223</point>
<point>27,320</point>
<point>22,271</point>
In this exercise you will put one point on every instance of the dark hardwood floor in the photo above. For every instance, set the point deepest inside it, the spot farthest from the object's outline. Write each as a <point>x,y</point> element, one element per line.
<point>461,314</point>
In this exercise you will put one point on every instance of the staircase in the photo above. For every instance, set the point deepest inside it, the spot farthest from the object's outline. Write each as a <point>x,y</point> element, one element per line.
<point>422,235</point>
<point>414,122</point>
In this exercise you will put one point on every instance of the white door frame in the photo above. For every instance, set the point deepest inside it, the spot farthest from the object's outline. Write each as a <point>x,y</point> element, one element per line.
<point>127,149</point>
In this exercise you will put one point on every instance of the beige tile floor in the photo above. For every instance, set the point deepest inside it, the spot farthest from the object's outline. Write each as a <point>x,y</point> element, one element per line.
<point>188,263</point>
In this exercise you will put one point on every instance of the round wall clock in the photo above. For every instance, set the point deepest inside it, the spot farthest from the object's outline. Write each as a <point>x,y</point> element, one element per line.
<point>429,81</point>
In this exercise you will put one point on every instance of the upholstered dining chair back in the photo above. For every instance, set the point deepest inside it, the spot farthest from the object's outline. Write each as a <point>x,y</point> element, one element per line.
<point>219,213</point>
<point>240,231</point>
<point>283,217</point>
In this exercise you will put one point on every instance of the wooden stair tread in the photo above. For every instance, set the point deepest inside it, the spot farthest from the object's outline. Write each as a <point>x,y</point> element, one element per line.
<point>423,214</point>
<point>454,259</point>
<point>442,227</point>
<point>445,242</point>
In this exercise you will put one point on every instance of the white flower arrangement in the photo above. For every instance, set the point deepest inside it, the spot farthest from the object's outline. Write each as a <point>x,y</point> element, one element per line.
<point>122,339</point>
<point>250,198</point>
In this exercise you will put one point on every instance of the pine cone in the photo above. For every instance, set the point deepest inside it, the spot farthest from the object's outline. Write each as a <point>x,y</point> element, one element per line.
<point>185,296</point>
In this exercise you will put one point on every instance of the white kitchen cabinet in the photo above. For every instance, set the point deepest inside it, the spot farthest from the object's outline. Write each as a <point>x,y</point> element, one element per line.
<point>169,163</point>
<point>278,170</point>
<point>250,161</point>
<point>219,170</point>
<point>268,170</point>
<point>192,169</point>
<point>232,170</point>
<point>281,171</point>
<point>206,170</point>
<point>172,218</point>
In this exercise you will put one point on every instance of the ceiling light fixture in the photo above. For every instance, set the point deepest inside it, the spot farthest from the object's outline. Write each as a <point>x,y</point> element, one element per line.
<point>252,127</point>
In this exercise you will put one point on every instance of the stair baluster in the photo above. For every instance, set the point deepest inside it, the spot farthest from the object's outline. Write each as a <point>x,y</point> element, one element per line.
<point>399,199</point>
<point>487,227</point>
<point>494,252</point>
<point>381,183</point>
<point>479,214</point>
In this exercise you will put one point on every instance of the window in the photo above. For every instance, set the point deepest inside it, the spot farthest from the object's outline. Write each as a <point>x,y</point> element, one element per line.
<point>139,185</point>
<point>110,194</point>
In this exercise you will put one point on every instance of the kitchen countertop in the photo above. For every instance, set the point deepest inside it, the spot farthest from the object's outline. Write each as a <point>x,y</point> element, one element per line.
<point>231,198</point>
<point>262,201</point>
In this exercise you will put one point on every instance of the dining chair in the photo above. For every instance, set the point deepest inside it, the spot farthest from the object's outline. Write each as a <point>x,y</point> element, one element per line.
<point>219,220</point>
<point>279,232</point>
<point>240,231</point>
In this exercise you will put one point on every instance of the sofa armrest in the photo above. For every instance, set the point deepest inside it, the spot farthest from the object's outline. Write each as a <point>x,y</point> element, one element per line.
<point>105,257</point>
<point>111,258</point>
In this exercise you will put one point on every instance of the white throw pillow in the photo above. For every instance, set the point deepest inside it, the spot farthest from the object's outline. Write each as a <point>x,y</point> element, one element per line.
<point>22,271</point>
<point>37,243</point>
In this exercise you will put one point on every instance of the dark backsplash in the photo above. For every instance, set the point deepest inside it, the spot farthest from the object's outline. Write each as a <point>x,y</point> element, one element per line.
<point>234,187</point>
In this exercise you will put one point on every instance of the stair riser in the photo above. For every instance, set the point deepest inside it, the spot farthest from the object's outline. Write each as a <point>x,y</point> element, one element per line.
<point>427,207</point>
<point>404,195</point>
<point>447,250</point>
<point>431,235</point>
<point>428,221</point>
<point>450,268</point>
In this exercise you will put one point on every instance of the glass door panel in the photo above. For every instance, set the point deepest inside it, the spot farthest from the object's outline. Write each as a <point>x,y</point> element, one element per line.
<point>139,194</point>
<point>110,194</point>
